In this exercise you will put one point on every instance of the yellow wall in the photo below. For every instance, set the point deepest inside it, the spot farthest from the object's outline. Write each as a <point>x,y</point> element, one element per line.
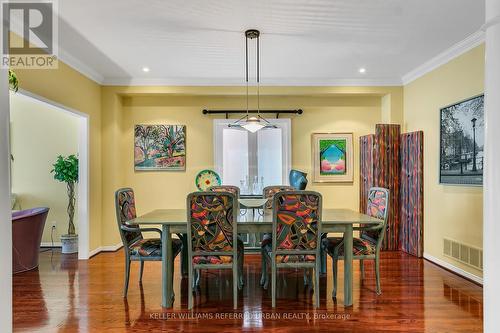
<point>449,211</point>
<point>326,109</point>
<point>73,90</point>
<point>39,133</point>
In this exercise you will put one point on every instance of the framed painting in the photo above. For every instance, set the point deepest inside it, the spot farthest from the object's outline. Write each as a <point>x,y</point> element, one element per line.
<point>461,153</point>
<point>159,147</point>
<point>332,157</point>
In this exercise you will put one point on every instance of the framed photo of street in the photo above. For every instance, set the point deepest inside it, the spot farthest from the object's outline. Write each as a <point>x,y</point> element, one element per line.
<point>462,143</point>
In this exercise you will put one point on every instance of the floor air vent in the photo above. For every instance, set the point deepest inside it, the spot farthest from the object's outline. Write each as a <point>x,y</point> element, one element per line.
<point>466,254</point>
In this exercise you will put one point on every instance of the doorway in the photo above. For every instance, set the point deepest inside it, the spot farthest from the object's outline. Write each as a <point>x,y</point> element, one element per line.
<point>73,138</point>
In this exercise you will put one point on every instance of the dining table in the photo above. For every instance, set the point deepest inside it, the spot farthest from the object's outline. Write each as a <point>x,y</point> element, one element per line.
<point>174,221</point>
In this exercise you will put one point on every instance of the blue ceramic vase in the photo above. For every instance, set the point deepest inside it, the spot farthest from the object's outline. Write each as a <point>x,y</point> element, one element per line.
<point>298,179</point>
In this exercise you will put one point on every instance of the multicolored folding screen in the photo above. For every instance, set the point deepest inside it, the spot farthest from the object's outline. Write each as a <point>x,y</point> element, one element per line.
<point>366,169</point>
<point>411,193</point>
<point>395,161</point>
<point>386,174</point>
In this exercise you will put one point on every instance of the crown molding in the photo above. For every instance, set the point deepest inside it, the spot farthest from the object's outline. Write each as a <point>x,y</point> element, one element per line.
<point>80,67</point>
<point>444,57</point>
<point>308,82</point>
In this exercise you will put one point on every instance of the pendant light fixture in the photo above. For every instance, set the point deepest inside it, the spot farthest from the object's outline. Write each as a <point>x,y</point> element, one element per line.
<point>252,123</point>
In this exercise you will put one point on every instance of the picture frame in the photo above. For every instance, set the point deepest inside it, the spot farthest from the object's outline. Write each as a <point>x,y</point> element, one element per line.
<point>332,157</point>
<point>461,142</point>
<point>159,147</point>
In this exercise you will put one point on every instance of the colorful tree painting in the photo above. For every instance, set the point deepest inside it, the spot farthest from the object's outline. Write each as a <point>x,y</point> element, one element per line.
<point>160,147</point>
<point>332,156</point>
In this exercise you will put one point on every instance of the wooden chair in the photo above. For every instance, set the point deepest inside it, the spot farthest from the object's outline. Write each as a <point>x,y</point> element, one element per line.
<point>367,246</point>
<point>135,246</point>
<point>226,188</point>
<point>296,236</point>
<point>212,230</point>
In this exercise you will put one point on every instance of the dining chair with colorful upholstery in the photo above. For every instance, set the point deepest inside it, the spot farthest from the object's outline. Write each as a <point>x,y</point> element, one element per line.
<point>296,237</point>
<point>268,193</point>
<point>213,241</point>
<point>226,188</point>
<point>137,248</point>
<point>367,245</point>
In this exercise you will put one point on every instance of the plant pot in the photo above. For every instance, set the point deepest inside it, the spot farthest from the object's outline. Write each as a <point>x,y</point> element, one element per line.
<point>69,244</point>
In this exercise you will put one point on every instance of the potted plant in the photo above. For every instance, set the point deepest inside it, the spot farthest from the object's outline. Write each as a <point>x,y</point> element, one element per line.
<point>66,171</point>
<point>14,86</point>
<point>13,82</point>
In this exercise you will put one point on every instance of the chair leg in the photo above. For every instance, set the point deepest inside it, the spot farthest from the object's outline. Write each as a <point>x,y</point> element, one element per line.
<point>127,275</point>
<point>377,274</point>
<point>335,268</point>
<point>263,269</point>
<point>172,277</point>
<point>362,267</point>
<point>191,287</point>
<point>308,274</point>
<point>316,284</point>
<point>196,274</point>
<point>266,278</point>
<point>198,277</point>
<point>235,285</point>
<point>273,282</point>
<point>141,270</point>
<point>241,279</point>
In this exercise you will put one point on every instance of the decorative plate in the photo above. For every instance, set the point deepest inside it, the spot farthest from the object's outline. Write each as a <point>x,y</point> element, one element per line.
<point>207,178</point>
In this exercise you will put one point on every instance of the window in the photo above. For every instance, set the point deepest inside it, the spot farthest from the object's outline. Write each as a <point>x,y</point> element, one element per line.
<point>242,157</point>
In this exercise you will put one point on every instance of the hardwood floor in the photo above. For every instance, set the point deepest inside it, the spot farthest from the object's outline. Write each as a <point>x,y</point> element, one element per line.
<point>67,295</point>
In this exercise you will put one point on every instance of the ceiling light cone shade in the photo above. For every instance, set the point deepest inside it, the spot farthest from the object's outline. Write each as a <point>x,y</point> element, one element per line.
<point>253,124</point>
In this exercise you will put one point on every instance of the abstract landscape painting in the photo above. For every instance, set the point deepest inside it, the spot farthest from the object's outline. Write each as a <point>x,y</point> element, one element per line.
<point>462,143</point>
<point>332,157</point>
<point>160,147</point>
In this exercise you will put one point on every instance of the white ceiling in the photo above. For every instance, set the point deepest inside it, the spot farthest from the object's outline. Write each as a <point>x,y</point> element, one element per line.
<point>303,42</point>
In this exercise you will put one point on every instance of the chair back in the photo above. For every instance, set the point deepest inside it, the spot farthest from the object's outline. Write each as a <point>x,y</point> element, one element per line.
<point>378,207</point>
<point>297,222</point>
<point>226,188</point>
<point>212,224</point>
<point>125,211</point>
<point>269,191</point>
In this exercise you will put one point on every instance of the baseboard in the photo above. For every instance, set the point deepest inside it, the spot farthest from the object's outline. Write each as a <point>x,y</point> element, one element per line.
<point>50,244</point>
<point>108,248</point>
<point>454,269</point>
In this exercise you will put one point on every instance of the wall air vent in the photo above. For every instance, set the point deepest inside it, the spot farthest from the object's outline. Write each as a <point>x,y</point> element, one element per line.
<point>466,254</point>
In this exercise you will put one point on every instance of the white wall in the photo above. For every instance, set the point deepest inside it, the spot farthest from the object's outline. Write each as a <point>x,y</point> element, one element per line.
<point>39,133</point>
<point>492,175</point>
<point>5,214</point>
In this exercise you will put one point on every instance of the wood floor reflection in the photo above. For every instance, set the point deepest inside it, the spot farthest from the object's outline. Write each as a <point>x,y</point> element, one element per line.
<point>67,295</point>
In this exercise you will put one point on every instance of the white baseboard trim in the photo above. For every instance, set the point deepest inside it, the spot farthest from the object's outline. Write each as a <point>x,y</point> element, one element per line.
<point>454,269</point>
<point>50,244</point>
<point>107,248</point>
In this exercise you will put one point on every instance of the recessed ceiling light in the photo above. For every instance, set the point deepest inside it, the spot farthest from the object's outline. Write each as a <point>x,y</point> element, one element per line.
<point>145,69</point>
<point>362,70</point>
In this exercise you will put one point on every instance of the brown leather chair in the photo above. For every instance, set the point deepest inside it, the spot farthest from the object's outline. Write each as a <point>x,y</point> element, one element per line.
<point>27,229</point>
